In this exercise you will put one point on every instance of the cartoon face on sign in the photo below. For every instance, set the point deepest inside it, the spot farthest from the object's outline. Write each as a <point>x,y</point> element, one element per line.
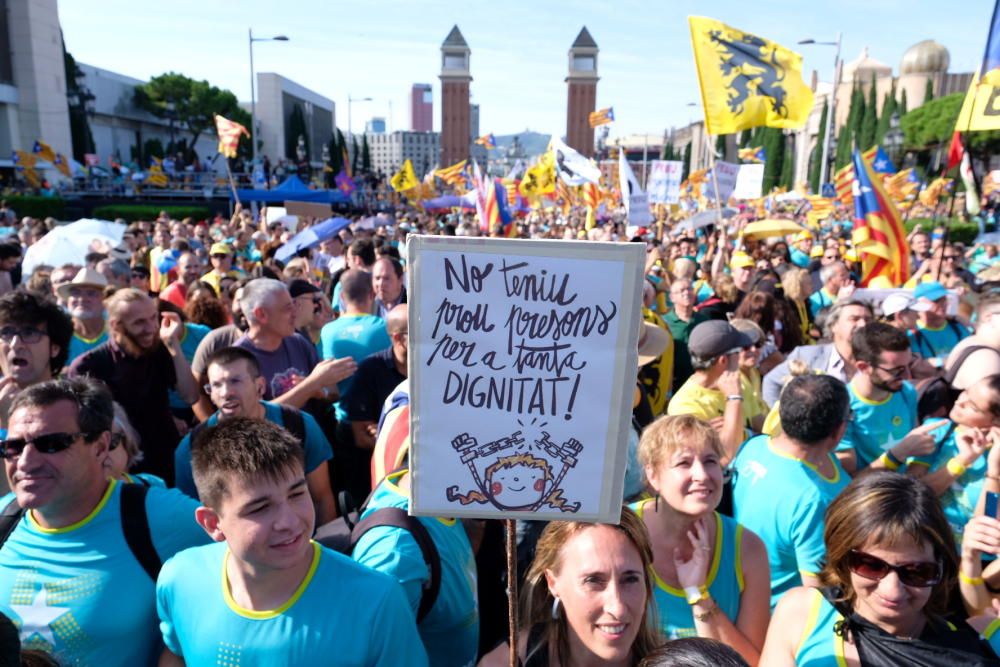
<point>522,478</point>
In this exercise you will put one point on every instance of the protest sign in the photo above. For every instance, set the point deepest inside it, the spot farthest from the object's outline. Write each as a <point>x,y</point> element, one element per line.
<point>522,360</point>
<point>635,200</point>
<point>725,176</point>
<point>749,181</point>
<point>664,186</point>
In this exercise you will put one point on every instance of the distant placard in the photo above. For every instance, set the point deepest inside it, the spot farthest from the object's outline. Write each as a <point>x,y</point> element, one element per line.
<point>725,176</point>
<point>518,355</point>
<point>749,181</point>
<point>664,186</point>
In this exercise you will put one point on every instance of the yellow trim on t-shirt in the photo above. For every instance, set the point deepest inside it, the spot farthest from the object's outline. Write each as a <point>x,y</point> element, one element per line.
<point>811,618</point>
<point>921,325</point>
<point>814,468</point>
<point>739,556</point>
<point>712,571</point>
<point>395,489</point>
<point>265,614</point>
<point>991,629</point>
<point>89,340</point>
<point>82,522</point>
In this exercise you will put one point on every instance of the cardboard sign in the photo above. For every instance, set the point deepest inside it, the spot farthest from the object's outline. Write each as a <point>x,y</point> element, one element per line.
<point>725,175</point>
<point>749,181</point>
<point>522,359</point>
<point>664,185</point>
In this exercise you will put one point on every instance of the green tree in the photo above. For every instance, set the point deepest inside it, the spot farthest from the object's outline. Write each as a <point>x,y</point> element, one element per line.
<point>787,168</point>
<point>687,161</point>
<point>774,146</point>
<point>857,112</point>
<point>745,137</point>
<point>366,156</point>
<point>929,91</point>
<point>869,122</point>
<point>932,125</point>
<point>902,103</point>
<point>844,148</point>
<point>720,147</point>
<point>888,108</point>
<point>355,154</point>
<point>152,148</point>
<point>295,128</point>
<point>191,105</point>
<point>816,158</point>
<point>77,97</point>
<point>336,156</point>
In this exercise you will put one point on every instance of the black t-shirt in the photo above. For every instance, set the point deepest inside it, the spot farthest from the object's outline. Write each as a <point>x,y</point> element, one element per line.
<point>374,380</point>
<point>140,385</point>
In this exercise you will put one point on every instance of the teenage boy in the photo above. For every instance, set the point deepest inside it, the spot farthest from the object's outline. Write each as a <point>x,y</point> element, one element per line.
<point>282,598</point>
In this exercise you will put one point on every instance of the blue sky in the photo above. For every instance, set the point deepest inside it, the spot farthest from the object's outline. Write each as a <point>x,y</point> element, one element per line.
<point>379,48</point>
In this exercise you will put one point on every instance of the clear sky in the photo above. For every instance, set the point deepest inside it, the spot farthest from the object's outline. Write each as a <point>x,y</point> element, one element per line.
<point>378,48</point>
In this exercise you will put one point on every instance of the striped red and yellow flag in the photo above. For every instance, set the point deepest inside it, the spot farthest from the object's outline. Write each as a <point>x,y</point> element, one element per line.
<point>844,181</point>
<point>601,117</point>
<point>229,135</point>
<point>453,175</point>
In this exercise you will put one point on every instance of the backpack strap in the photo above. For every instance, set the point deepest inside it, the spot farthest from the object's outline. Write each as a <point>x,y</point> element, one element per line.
<point>294,422</point>
<point>135,528</point>
<point>9,519</point>
<point>394,517</point>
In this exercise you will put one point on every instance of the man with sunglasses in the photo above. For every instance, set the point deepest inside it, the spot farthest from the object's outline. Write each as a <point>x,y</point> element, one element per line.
<point>69,576</point>
<point>883,431</point>
<point>221,256</point>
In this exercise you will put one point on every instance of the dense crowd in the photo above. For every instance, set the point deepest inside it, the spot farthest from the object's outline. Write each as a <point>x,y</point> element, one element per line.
<point>207,456</point>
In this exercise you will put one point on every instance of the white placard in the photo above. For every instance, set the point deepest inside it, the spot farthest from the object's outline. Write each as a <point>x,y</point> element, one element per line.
<point>636,201</point>
<point>521,358</point>
<point>664,186</point>
<point>725,175</point>
<point>749,181</point>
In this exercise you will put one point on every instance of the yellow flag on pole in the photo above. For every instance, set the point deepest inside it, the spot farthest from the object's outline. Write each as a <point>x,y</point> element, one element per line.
<point>405,178</point>
<point>747,81</point>
<point>981,108</point>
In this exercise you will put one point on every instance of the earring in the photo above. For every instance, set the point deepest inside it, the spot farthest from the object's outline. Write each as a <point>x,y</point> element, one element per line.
<point>656,504</point>
<point>555,608</point>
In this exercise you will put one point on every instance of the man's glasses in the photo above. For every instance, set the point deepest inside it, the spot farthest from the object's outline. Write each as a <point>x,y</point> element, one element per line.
<point>896,372</point>
<point>50,443</point>
<point>219,256</point>
<point>26,334</point>
<point>918,575</point>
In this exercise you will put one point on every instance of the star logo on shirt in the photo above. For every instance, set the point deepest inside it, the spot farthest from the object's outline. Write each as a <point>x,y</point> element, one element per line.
<point>889,443</point>
<point>37,618</point>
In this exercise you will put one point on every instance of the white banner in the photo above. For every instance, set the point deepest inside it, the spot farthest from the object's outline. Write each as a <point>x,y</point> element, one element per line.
<point>725,175</point>
<point>518,353</point>
<point>636,201</point>
<point>664,185</point>
<point>573,168</point>
<point>749,182</point>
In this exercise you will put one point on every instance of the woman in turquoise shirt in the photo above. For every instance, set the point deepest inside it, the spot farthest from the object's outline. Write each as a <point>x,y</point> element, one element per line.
<point>711,577</point>
<point>891,563</point>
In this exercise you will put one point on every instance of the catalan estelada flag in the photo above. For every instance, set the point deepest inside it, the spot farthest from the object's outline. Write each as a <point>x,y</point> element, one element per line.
<point>757,154</point>
<point>487,140</point>
<point>747,81</point>
<point>62,164</point>
<point>878,234</point>
<point>601,117</point>
<point>44,151</point>
<point>453,175</point>
<point>229,135</point>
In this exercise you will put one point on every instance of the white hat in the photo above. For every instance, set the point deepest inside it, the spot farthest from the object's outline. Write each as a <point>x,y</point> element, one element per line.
<point>898,301</point>
<point>85,277</point>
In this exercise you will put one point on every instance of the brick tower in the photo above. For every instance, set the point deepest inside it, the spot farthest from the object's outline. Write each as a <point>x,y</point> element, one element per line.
<point>581,93</point>
<point>455,79</point>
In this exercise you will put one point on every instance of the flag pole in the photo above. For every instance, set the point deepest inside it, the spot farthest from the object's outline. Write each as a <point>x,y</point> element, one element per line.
<point>232,184</point>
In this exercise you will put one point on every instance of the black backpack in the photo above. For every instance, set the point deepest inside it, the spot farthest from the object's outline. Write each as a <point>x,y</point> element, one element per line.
<point>936,396</point>
<point>343,534</point>
<point>135,526</point>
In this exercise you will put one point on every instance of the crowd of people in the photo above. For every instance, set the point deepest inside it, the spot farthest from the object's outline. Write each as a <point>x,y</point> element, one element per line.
<point>207,458</point>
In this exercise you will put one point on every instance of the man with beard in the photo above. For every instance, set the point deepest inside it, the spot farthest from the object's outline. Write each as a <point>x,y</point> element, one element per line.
<point>883,431</point>
<point>83,297</point>
<point>189,269</point>
<point>34,337</point>
<point>140,363</point>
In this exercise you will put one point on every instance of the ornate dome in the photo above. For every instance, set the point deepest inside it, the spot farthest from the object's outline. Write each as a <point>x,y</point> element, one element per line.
<point>863,67</point>
<point>923,57</point>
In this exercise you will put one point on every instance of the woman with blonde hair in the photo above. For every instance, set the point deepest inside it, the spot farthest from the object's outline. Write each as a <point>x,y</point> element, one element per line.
<point>711,576</point>
<point>890,566</point>
<point>797,286</point>
<point>587,598</point>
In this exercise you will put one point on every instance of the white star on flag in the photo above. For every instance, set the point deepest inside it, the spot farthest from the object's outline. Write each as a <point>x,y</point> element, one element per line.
<point>879,165</point>
<point>36,618</point>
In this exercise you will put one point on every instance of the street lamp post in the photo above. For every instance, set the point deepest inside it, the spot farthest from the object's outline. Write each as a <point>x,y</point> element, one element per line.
<point>350,101</point>
<point>253,98</point>
<point>830,119</point>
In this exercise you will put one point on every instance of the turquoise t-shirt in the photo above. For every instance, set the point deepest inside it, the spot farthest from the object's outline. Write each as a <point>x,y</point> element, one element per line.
<point>799,258</point>
<point>193,333</point>
<point>79,593</point>
<point>316,445</point>
<point>875,427</point>
<point>450,631</point>
<point>355,336</point>
<point>725,580</point>
<point>792,529</point>
<point>960,499</point>
<point>79,345</point>
<point>341,614</point>
<point>818,301</point>
<point>937,343</point>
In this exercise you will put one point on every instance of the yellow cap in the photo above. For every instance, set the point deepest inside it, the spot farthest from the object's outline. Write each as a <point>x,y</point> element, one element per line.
<point>802,236</point>
<point>817,251</point>
<point>741,260</point>
<point>851,255</point>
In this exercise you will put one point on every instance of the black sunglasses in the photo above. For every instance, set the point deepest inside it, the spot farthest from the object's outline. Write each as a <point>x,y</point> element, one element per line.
<point>918,575</point>
<point>50,443</point>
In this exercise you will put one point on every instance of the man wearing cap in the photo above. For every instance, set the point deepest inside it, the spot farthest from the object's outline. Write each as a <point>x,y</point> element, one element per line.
<point>712,393</point>
<point>936,333</point>
<point>743,270</point>
<point>308,301</point>
<point>834,277</point>
<point>901,310</point>
<point>83,297</point>
<point>221,256</point>
<point>800,250</point>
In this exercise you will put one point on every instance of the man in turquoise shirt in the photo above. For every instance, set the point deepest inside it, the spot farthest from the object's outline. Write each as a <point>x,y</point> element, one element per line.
<point>782,485</point>
<point>68,579</point>
<point>266,593</point>
<point>834,277</point>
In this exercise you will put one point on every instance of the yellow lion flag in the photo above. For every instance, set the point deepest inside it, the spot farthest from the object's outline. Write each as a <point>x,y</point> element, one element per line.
<point>405,179</point>
<point>747,81</point>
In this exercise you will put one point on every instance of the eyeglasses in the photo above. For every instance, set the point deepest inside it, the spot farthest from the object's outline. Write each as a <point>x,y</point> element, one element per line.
<point>50,443</point>
<point>26,334</point>
<point>751,346</point>
<point>219,256</point>
<point>898,371</point>
<point>918,575</point>
<point>951,258</point>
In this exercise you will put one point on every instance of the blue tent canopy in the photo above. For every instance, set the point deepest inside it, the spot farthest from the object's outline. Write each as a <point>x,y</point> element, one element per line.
<point>293,189</point>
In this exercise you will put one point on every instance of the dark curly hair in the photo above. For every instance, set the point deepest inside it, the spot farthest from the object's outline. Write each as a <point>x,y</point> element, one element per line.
<point>24,308</point>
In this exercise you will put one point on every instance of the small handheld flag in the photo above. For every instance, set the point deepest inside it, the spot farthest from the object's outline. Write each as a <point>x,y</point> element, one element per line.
<point>487,140</point>
<point>601,117</point>
<point>229,132</point>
